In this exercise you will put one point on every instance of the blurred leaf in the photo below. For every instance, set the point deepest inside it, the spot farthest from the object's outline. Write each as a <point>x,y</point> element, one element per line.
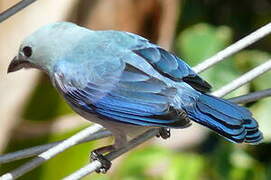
<point>201,41</point>
<point>249,59</point>
<point>159,163</point>
<point>137,163</point>
<point>241,159</point>
<point>261,112</point>
<point>220,161</point>
<point>185,166</point>
<point>243,164</point>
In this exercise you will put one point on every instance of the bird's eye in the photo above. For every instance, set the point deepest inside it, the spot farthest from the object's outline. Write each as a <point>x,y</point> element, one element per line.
<point>27,51</point>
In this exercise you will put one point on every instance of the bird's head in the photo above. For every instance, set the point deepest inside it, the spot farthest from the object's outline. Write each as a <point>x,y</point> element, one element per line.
<point>45,46</point>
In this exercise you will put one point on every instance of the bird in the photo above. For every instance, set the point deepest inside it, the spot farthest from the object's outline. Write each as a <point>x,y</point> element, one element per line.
<point>129,84</point>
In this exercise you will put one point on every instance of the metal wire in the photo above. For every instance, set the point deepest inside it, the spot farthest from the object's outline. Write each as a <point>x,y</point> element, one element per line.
<point>234,48</point>
<point>244,79</point>
<point>29,152</point>
<point>91,167</point>
<point>73,140</point>
<point>14,9</point>
<point>251,97</point>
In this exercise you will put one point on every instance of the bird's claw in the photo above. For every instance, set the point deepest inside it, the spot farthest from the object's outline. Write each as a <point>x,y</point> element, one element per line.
<point>106,164</point>
<point>164,133</point>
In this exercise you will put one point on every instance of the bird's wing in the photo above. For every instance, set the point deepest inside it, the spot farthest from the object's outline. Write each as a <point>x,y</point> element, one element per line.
<point>171,66</point>
<point>129,96</point>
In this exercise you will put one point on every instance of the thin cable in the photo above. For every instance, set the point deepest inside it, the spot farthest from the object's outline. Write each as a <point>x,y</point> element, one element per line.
<point>73,140</point>
<point>91,167</point>
<point>14,9</point>
<point>234,48</point>
<point>244,79</point>
<point>29,152</point>
<point>251,97</point>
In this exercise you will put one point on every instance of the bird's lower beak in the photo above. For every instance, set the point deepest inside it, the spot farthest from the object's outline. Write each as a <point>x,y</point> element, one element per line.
<point>16,64</point>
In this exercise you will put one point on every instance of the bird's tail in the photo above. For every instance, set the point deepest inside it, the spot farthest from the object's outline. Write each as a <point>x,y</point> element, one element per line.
<point>227,119</point>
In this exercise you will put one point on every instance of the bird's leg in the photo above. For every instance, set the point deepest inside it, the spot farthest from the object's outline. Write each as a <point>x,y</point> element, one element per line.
<point>101,153</point>
<point>97,154</point>
<point>164,133</point>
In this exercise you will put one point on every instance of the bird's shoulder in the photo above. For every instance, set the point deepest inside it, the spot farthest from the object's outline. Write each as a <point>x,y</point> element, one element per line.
<point>80,73</point>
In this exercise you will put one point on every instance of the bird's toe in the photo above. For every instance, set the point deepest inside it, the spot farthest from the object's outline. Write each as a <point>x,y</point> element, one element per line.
<point>164,133</point>
<point>105,163</point>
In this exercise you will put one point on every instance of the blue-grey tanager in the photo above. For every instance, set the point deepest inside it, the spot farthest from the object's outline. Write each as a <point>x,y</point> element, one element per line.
<point>129,83</point>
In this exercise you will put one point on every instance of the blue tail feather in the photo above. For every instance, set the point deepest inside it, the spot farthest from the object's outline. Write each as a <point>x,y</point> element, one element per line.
<point>227,119</point>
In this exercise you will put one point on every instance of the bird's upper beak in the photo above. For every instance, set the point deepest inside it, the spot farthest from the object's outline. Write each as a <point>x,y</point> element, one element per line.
<point>17,64</point>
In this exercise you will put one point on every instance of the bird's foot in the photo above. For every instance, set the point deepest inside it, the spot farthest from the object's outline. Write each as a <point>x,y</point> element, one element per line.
<point>164,133</point>
<point>97,155</point>
<point>106,164</point>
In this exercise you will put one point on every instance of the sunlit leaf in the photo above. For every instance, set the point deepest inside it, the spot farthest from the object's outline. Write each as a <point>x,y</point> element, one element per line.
<point>201,41</point>
<point>261,112</point>
<point>185,166</point>
<point>140,164</point>
<point>249,59</point>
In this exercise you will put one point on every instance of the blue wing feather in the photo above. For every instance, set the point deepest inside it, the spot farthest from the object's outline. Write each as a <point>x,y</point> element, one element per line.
<point>142,101</point>
<point>172,67</point>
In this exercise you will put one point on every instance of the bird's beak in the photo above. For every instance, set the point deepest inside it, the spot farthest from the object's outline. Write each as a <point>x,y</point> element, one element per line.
<point>17,64</point>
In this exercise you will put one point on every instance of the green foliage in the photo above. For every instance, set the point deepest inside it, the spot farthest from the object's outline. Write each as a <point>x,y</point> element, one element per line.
<point>185,166</point>
<point>261,111</point>
<point>201,41</point>
<point>133,168</point>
